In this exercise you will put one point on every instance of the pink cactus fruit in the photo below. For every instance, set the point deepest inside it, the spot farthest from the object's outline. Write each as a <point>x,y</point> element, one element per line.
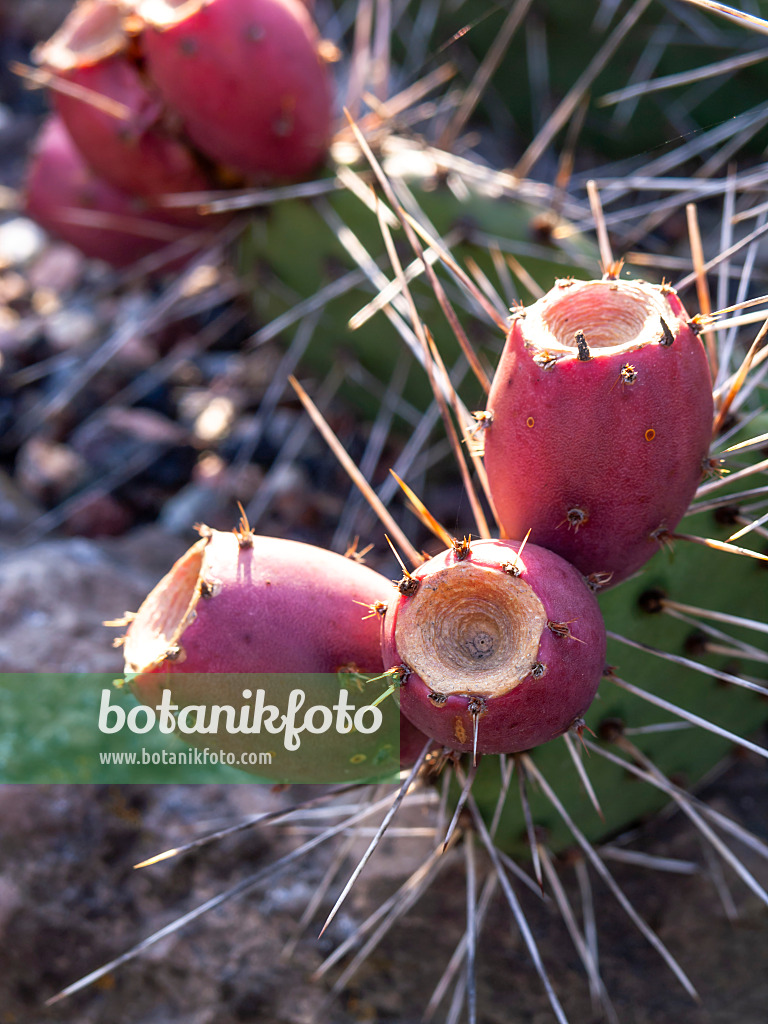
<point>601,423</point>
<point>239,604</point>
<point>67,198</point>
<point>247,79</point>
<point>501,646</point>
<point>111,111</point>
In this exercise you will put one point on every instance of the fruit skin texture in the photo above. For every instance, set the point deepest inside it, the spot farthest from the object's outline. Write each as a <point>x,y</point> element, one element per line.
<point>264,606</point>
<point>246,78</point>
<point>598,457</point>
<point>270,605</point>
<point>136,154</point>
<point>553,681</point>
<point>114,115</point>
<point>68,199</point>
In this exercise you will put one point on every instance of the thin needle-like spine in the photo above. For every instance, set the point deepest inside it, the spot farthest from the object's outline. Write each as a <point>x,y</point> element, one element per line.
<point>423,513</point>
<point>608,878</point>
<point>587,909</point>
<point>719,545</point>
<point>530,828</point>
<point>658,779</point>
<point>258,819</point>
<point>429,348</point>
<point>471,874</point>
<point>58,83</point>
<point>583,775</point>
<point>717,876</point>
<point>702,285</point>
<point>319,895</point>
<point>379,833</point>
<point>688,716</point>
<point>517,912</point>
<point>603,241</point>
<point>418,249</point>
<point>707,613</point>
<point>596,985</point>
<point>464,279</point>
<point>354,473</point>
<point>738,381</point>
<point>459,953</point>
<point>738,647</point>
<point>216,901</point>
<point>507,767</point>
<point>697,666</point>
<point>465,791</point>
<point>413,882</point>
<point>477,509</point>
<point>403,901</point>
<point>732,14</point>
<point>570,102</point>
<point>721,67</point>
<point>484,73</point>
<point>713,485</point>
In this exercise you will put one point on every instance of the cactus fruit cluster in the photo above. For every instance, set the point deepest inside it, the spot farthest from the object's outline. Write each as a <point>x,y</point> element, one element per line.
<point>499,645</point>
<point>161,99</point>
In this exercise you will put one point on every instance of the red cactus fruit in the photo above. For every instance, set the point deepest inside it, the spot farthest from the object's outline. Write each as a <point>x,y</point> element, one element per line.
<point>500,645</point>
<point>247,79</point>
<point>601,423</point>
<point>112,113</point>
<point>64,195</point>
<point>236,603</point>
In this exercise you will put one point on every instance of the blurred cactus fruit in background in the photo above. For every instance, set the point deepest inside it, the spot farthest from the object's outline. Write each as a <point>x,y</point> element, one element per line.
<point>112,112</point>
<point>246,78</point>
<point>68,199</point>
<point>602,417</point>
<point>501,646</point>
<point>162,99</point>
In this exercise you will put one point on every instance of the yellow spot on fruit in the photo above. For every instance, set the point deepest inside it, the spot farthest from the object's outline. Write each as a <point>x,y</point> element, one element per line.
<point>650,434</point>
<point>459,732</point>
<point>530,421</point>
<point>357,759</point>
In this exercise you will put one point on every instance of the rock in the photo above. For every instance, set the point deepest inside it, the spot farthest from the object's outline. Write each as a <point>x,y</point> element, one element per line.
<point>16,510</point>
<point>98,515</point>
<point>71,329</point>
<point>48,471</point>
<point>55,596</point>
<point>21,240</point>
<point>117,434</point>
<point>59,268</point>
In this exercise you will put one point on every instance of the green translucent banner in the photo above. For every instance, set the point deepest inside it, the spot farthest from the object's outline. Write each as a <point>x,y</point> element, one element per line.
<point>193,728</point>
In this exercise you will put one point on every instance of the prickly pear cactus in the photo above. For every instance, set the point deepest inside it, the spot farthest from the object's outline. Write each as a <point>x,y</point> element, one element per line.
<point>282,274</point>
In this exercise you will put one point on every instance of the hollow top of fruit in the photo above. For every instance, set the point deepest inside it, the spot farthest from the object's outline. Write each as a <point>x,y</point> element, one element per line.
<point>470,629</point>
<point>165,13</point>
<point>93,31</point>
<point>165,613</point>
<point>611,315</point>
